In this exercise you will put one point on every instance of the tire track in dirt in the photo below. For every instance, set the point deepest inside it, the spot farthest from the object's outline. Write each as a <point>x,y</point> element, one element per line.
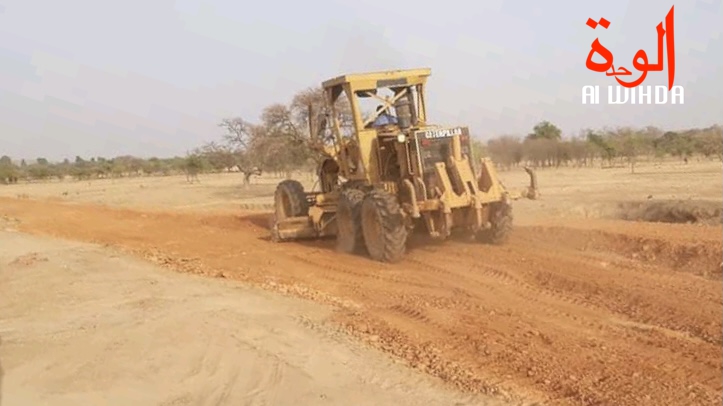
<point>593,288</point>
<point>601,322</point>
<point>542,316</point>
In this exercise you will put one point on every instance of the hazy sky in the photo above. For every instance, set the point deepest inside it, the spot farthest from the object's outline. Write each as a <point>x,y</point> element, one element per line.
<point>153,77</point>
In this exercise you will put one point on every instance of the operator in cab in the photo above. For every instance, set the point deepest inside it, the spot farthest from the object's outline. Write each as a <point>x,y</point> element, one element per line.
<point>384,118</point>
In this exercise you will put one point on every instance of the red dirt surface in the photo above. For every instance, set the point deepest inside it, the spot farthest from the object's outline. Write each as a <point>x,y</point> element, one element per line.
<point>593,313</point>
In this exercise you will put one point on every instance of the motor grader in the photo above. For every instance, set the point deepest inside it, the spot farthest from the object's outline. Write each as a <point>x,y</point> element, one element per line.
<point>380,180</point>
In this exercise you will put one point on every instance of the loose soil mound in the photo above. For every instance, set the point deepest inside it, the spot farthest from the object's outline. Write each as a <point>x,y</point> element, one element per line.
<point>701,257</point>
<point>671,211</point>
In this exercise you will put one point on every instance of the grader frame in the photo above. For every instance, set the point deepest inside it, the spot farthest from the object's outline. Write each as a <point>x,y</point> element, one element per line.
<point>380,182</point>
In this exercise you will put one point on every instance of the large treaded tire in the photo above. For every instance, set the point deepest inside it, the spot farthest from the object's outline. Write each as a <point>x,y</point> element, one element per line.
<point>349,238</point>
<point>385,234</point>
<point>290,200</point>
<point>501,224</point>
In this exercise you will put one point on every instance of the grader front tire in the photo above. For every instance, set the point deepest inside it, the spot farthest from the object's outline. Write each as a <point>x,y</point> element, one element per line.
<point>385,234</point>
<point>290,200</point>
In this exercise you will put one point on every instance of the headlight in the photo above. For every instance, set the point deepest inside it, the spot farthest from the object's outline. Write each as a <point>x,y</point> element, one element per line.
<point>401,138</point>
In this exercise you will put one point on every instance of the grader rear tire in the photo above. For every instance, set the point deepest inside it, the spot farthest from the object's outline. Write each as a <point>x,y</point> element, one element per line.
<point>349,238</point>
<point>290,200</point>
<point>385,234</point>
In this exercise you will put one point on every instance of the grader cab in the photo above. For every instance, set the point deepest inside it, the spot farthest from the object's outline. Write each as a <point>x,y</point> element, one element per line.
<point>391,172</point>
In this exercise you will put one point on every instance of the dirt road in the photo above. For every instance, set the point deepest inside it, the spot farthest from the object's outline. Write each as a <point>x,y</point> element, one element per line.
<point>593,313</point>
<point>82,325</point>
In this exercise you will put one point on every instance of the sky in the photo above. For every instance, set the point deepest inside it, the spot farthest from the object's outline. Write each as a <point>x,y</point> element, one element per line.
<point>153,78</point>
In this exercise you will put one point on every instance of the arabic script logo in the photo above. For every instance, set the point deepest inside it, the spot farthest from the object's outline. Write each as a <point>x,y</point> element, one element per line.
<point>640,61</point>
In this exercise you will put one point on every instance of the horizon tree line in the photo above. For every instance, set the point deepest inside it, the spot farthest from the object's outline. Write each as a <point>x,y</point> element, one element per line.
<point>280,142</point>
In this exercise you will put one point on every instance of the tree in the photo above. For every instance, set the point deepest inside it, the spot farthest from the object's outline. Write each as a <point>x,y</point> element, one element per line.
<point>315,98</point>
<point>242,137</point>
<point>237,131</point>
<point>604,147</point>
<point>192,166</point>
<point>8,170</point>
<point>219,157</point>
<point>710,142</point>
<point>40,172</point>
<point>580,150</point>
<point>506,150</point>
<point>312,97</point>
<point>284,146</point>
<point>314,101</point>
<point>545,130</point>
<point>540,146</point>
<point>541,151</point>
<point>631,144</point>
<point>676,144</point>
<point>479,149</point>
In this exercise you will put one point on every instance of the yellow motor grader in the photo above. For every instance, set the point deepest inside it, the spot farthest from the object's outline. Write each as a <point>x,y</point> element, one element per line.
<point>387,174</point>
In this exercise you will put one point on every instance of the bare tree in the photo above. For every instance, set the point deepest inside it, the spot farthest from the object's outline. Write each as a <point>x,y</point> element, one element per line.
<point>631,144</point>
<point>581,151</point>
<point>285,145</point>
<point>313,101</point>
<point>710,142</point>
<point>506,150</point>
<point>242,138</point>
<point>237,131</point>
<point>192,166</point>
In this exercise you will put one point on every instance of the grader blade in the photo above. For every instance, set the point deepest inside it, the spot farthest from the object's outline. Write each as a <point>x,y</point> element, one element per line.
<point>294,228</point>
